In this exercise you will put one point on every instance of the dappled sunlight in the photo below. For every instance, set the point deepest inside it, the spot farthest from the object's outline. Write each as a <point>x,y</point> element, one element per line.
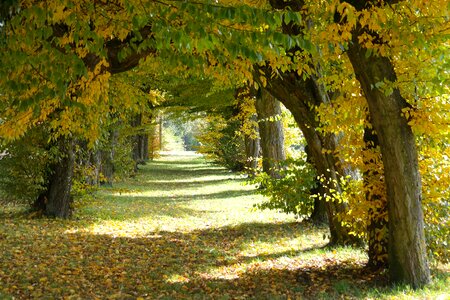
<point>114,259</point>
<point>178,155</point>
<point>204,241</point>
<point>182,195</point>
<point>202,179</point>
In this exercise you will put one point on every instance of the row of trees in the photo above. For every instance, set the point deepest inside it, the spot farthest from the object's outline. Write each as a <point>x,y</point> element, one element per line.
<point>363,80</point>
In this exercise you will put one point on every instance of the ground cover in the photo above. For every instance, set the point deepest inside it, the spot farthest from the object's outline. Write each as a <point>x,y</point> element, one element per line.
<point>183,229</point>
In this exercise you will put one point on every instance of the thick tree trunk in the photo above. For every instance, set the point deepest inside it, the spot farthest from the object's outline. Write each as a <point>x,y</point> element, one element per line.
<point>319,215</point>
<point>107,158</point>
<point>140,142</point>
<point>56,201</point>
<point>271,133</point>
<point>375,195</point>
<point>144,141</point>
<point>407,250</point>
<point>300,96</point>
<point>141,148</point>
<point>107,166</point>
<point>252,149</point>
<point>96,162</point>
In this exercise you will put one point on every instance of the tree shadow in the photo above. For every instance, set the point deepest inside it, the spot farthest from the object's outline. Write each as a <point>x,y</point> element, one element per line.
<point>201,264</point>
<point>134,206</point>
<point>223,195</point>
<point>176,162</point>
<point>165,184</point>
<point>18,213</point>
<point>186,173</point>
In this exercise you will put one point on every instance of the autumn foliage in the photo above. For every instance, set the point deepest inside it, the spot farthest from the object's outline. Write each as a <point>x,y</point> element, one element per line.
<point>367,83</point>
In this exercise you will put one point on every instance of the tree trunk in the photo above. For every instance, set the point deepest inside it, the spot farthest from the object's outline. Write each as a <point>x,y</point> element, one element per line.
<point>144,141</point>
<point>96,162</point>
<point>301,96</point>
<point>153,142</point>
<point>376,196</point>
<point>107,158</point>
<point>56,200</point>
<point>319,215</point>
<point>271,133</point>
<point>140,142</point>
<point>252,149</point>
<point>107,166</point>
<point>141,148</point>
<point>407,250</point>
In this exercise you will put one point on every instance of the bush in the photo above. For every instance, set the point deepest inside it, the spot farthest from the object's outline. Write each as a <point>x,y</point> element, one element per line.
<point>23,168</point>
<point>292,192</point>
<point>221,143</point>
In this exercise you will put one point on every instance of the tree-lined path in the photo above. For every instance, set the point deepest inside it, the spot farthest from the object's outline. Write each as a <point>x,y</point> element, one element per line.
<point>339,108</point>
<point>181,229</point>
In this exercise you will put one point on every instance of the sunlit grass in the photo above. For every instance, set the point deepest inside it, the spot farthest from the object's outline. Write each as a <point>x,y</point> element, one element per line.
<point>183,229</point>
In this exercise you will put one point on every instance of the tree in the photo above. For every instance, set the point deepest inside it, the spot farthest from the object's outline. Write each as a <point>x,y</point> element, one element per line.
<point>271,133</point>
<point>301,97</point>
<point>376,48</point>
<point>69,49</point>
<point>407,259</point>
<point>57,61</point>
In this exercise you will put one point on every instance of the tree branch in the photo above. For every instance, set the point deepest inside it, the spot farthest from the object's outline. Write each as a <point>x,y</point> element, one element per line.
<point>294,5</point>
<point>363,4</point>
<point>114,46</point>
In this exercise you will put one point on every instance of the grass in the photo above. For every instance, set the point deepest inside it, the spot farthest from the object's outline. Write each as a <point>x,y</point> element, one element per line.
<point>184,229</point>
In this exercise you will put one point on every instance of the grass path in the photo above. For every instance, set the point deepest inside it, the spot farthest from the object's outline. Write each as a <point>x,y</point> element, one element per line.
<point>181,229</point>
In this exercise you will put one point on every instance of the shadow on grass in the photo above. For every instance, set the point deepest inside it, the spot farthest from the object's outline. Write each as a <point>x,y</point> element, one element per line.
<point>178,164</point>
<point>129,207</point>
<point>165,184</point>
<point>201,264</point>
<point>184,173</point>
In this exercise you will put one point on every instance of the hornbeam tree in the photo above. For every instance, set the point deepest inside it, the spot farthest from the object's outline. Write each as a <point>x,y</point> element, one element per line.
<point>377,37</point>
<point>301,97</point>
<point>407,250</point>
<point>57,59</point>
<point>56,66</point>
<point>302,94</point>
<point>271,133</point>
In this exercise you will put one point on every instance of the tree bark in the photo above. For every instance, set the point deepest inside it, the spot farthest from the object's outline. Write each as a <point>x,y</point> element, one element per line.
<point>252,149</point>
<point>271,133</point>
<point>407,250</point>
<point>56,200</point>
<point>300,96</point>
<point>107,158</point>
<point>319,215</point>
<point>373,180</point>
<point>140,142</point>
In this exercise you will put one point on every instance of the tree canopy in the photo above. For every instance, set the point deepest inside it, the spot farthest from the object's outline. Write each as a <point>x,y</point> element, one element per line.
<point>366,81</point>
